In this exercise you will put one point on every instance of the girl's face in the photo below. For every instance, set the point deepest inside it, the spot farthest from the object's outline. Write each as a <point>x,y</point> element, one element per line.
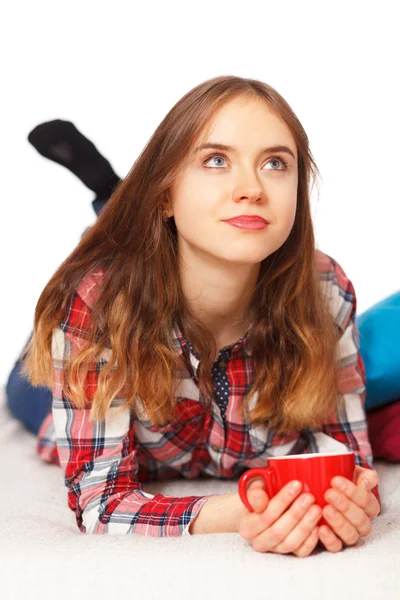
<point>245,179</point>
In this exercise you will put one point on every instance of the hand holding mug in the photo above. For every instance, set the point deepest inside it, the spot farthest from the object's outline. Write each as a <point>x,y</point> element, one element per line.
<point>317,474</point>
<point>353,508</point>
<point>285,523</point>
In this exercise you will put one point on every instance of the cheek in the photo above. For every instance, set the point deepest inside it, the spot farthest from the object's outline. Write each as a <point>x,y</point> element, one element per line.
<point>188,212</point>
<point>285,212</point>
<point>291,216</point>
<point>195,204</point>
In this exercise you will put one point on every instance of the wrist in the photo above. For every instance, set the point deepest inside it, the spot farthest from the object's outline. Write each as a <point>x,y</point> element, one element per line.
<point>220,514</point>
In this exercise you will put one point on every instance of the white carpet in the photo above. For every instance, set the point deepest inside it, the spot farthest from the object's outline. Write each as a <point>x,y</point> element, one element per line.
<point>44,555</point>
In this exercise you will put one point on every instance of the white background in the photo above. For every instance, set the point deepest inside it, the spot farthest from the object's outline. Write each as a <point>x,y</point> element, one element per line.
<point>116,68</point>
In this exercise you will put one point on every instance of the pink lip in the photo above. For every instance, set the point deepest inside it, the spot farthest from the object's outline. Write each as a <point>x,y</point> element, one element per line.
<point>247,222</point>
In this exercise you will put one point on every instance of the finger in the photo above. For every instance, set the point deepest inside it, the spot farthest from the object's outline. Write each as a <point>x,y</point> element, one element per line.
<point>353,513</point>
<point>253,524</point>
<point>301,532</point>
<point>257,483</point>
<point>361,473</point>
<point>258,499</point>
<point>257,495</point>
<point>295,524</point>
<point>329,539</point>
<point>369,479</point>
<point>358,495</point>
<point>308,545</point>
<point>340,526</point>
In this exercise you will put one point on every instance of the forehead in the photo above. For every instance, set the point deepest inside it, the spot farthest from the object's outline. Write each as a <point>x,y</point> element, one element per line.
<point>246,123</point>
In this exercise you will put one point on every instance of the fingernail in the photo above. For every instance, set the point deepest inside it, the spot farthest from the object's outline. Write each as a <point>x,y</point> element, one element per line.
<point>340,483</point>
<point>307,501</point>
<point>295,486</point>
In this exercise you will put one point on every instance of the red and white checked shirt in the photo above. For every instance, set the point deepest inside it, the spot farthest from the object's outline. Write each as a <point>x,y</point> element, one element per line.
<point>105,463</point>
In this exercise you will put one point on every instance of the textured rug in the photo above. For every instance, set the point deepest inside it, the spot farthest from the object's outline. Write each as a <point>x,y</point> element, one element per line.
<point>44,555</point>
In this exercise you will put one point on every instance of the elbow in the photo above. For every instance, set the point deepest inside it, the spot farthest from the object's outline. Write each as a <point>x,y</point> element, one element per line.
<point>90,520</point>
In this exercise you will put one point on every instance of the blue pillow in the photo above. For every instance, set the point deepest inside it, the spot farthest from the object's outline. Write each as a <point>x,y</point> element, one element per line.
<point>379,329</point>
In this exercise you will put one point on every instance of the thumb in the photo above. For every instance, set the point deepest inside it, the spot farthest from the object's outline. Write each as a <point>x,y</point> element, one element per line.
<point>362,475</point>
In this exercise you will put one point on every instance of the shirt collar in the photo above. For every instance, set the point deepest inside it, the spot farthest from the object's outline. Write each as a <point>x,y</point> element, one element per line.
<point>240,344</point>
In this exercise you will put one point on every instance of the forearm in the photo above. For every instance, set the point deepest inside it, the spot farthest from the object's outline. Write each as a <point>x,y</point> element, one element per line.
<point>220,514</point>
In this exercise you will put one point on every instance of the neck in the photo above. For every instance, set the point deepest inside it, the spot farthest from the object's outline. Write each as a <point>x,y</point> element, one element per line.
<point>219,293</point>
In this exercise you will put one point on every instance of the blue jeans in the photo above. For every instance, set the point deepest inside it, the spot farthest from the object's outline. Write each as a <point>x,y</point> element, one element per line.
<point>29,404</point>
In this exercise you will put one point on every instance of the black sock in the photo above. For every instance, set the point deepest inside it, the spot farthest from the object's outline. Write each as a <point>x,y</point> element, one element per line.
<point>61,142</point>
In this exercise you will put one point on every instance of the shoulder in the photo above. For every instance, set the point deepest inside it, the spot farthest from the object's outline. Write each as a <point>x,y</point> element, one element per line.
<point>76,317</point>
<point>338,289</point>
<point>331,270</point>
<point>89,288</point>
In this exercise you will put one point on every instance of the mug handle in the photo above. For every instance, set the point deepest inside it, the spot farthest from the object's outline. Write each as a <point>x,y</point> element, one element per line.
<point>269,476</point>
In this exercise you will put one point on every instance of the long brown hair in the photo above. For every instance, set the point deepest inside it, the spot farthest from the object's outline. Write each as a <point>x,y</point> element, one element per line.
<point>293,338</point>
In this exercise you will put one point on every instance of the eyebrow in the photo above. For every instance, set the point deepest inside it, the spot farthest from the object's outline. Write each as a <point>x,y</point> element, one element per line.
<point>233,149</point>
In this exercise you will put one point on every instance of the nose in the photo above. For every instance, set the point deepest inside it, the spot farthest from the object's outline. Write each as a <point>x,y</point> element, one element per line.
<point>249,187</point>
<point>253,195</point>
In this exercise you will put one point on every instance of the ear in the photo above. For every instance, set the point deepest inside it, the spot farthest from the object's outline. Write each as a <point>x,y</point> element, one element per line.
<point>166,205</point>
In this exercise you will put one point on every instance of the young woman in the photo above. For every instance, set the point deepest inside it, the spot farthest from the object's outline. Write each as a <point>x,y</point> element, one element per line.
<point>180,343</point>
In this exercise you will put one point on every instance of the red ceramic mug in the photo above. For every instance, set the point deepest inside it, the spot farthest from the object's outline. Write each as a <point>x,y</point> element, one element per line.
<point>314,471</point>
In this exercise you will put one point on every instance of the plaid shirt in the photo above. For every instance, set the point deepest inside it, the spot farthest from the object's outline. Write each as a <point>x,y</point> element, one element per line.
<point>106,462</point>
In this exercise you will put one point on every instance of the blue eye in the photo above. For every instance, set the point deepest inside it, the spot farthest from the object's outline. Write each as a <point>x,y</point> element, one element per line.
<point>278,160</point>
<point>213,156</point>
<point>273,159</point>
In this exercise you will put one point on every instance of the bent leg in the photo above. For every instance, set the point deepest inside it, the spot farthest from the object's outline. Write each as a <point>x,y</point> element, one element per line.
<point>28,404</point>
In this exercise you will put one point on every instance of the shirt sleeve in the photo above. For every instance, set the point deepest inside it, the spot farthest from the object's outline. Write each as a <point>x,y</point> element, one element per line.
<point>46,445</point>
<point>349,425</point>
<point>98,457</point>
